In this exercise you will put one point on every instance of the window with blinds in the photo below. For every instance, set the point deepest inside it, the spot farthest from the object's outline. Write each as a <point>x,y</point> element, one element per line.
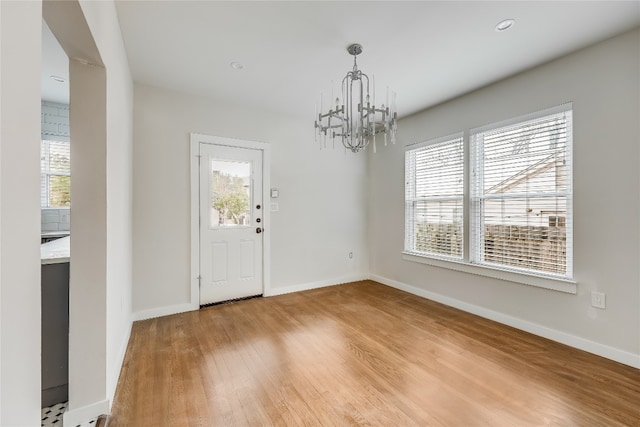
<point>55,171</point>
<point>434,199</point>
<point>521,194</point>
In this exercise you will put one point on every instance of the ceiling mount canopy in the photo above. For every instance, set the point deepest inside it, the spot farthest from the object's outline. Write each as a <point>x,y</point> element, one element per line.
<point>356,120</point>
<point>354,49</point>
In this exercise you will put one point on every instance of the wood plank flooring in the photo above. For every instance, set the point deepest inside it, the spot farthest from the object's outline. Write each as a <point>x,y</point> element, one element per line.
<point>361,354</point>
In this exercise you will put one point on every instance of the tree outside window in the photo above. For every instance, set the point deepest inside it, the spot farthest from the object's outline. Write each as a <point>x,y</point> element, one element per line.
<point>230,198</point>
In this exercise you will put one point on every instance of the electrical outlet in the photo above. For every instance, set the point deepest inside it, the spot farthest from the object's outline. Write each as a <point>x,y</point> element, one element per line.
<point>598,299</point>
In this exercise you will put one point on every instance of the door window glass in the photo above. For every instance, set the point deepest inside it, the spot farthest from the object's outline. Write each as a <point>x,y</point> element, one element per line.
<point>230,193</point>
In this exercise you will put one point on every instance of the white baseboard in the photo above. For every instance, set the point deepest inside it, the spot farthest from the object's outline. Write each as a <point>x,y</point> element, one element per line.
<point>603,350</point>
<point>85,414</point>
<point>112,381</point>
<point>181,308</point>
<point>314,285</point>
<point>163,311</point>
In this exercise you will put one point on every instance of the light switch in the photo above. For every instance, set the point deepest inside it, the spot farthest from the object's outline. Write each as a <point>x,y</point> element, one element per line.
<point>274,193</point>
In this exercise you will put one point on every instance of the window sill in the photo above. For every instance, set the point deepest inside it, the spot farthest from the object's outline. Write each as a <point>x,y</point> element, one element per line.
<point>555,284</point>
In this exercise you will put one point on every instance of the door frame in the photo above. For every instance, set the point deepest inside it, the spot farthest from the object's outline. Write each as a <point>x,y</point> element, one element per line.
<point>197,139</point>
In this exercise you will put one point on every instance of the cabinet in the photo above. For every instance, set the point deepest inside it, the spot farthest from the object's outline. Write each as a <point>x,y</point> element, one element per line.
<point>55,333</point>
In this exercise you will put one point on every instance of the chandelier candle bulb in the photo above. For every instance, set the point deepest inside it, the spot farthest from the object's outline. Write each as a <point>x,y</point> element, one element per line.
<point>374,109</point>
<point>373,86</point>
<point>387,100</point>
<point>330,99</point>
<point>384,122</point>
<point>394,122</point>
<point>315,131</point>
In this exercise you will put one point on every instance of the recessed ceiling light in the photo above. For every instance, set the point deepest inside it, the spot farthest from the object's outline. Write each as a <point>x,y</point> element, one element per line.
<point>58,79</point>
<point>237,65</point>
<point>505,24</point>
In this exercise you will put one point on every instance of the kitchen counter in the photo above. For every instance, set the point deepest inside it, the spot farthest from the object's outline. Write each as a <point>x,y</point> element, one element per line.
<point>56,251</point>
<point>55,233</point>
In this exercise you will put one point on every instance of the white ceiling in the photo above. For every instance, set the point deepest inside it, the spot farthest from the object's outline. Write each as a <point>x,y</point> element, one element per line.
<point>427,51</point>
<point>54,63</point>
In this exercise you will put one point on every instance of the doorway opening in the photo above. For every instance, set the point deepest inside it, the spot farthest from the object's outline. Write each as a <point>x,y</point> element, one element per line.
<point>55,168</point>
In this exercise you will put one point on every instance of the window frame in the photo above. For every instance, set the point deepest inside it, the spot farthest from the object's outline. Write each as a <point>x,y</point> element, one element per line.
<point>46,174</point>
<point>478,200</point>
<point>467,263</point>
<point>411,205</point>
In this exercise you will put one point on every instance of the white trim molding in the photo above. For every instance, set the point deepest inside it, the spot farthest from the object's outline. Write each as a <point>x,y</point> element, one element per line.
<point>574,341</point>
<point>85,414</point>
<point>112,380</point>
<point>196,139</point>
<point>183,308</point>
<point>314,285</point>
<point>168,310</point>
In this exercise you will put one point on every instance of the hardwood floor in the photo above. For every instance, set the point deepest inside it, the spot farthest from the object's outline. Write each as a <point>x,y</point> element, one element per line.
<point>361,354</point>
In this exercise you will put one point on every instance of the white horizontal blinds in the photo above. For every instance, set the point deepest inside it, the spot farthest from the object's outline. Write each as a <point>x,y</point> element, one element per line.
<point>522,196</point>
<point>434,198</point>
<point>55,164</point>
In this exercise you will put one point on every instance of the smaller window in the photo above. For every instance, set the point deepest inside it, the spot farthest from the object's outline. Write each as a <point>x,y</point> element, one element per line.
<point>434,198</point>
<point>55,174</point>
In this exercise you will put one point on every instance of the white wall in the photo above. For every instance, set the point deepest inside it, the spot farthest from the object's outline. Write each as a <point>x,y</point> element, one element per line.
<point>88,268</point>
<point>1,181</point>
<point>20,32</point>
<point>603,83</point>
<point>322,195</point>
<point>105,28</point>
<point>103,21</point>
<point>55,121</point>
<point>101,139</point>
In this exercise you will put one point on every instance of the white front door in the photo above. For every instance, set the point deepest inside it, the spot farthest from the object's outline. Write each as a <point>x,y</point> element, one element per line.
<point>231,220</point>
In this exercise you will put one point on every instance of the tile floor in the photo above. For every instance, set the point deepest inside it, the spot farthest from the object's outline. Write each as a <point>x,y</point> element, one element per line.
<point>52,416</point>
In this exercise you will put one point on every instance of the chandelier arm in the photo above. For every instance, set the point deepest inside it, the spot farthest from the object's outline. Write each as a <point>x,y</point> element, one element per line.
<point>345,106</point>
<point>362,126</point>
<point>366,108</point>
<point>350,118</point>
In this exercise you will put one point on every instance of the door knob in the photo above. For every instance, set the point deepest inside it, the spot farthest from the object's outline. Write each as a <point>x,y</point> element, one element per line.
<point>258,230</point>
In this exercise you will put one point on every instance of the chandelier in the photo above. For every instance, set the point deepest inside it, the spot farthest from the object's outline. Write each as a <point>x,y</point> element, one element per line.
<point>356,120</point>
